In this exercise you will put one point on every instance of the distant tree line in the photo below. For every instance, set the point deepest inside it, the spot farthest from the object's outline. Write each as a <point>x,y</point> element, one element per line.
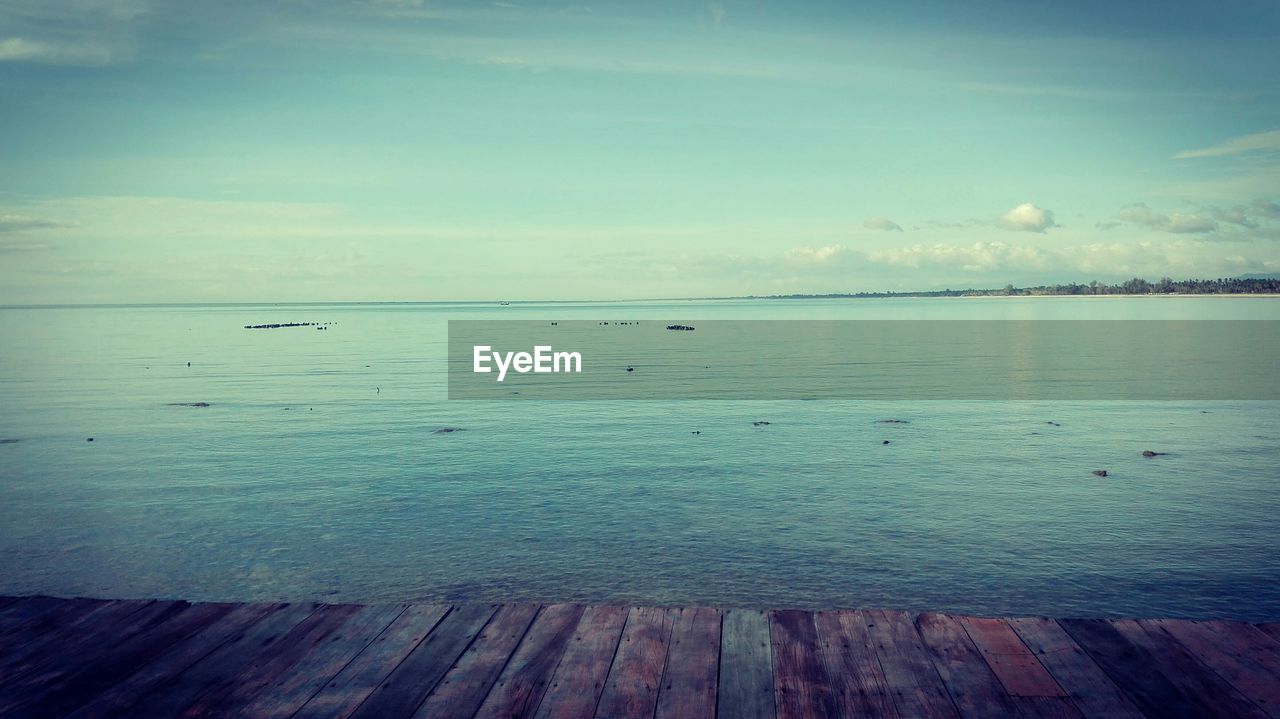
<point>1135,286</point>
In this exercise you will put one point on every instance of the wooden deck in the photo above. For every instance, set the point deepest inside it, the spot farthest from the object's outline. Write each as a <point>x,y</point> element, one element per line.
<point>90,658</point>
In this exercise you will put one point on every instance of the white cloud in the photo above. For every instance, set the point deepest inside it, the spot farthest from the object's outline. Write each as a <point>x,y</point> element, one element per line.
<point>816,255</point>
<point>977,257</point>
<point>1028,218</point>
<point>882,223</point>
<point>1257,142</point>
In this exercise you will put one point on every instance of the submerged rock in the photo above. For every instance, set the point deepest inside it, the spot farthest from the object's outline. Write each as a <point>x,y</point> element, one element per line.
<point>1149,453</point>
<point>1100,472</point>
<point>188,404</point>
<point>446,430</point>
<point>89,439</point>
<point>760,423</point>
<point>884,441</point>
<point>893,421</point>
<point>9,441</point>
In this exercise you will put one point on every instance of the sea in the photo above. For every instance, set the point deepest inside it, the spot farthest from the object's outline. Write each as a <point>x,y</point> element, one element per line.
<point>330,465</point>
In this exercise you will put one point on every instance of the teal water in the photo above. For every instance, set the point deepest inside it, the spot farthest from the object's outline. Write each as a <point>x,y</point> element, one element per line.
<point>315,473</point>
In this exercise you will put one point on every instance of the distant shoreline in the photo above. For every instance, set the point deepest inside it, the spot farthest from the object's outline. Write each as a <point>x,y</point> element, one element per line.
<point>1136,287</point>
<point>388,303</point>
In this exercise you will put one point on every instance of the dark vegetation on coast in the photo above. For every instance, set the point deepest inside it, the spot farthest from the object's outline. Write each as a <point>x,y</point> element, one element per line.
<point>1135,286</point>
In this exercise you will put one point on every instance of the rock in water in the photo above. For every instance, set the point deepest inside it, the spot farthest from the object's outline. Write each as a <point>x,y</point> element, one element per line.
<point>1149,453</point>
<point>1100,472</point>
<point>760,423</point>
<point>446,430</point>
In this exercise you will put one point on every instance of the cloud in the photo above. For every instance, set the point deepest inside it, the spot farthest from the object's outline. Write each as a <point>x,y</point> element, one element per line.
<point>817,255</point>
<point>718,13</point>
<point>1266,208</point>
<point>1238,215</point>
<point>17,49</point>
<point>79,33</point>
<point>17,223</point>
<point>1257,142</point>
<point>1177,222</point>
<point>504,61</point>
<point>977,257</point>
<point>1027,218</point>
<point>882,223</point>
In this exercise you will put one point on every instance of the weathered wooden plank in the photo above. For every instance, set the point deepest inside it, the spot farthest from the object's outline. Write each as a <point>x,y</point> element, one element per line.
<point>30,624</point>
<point>746,666</point>
<point>1246,639</point>
<point>296,686</point>
<point>115,702</point>
<point>857,681</point>
<point>1132,668</point>
<point>636,675</point>
<point>462,690</point>
<point>690,680</point>
<point>80,645</point>
<point>801,686</point>
<point>58,643</point>
<point>403,691</point>
<point>108,658</point>
<point>1089,688</point>
<point>974,688</point>
<point>1047,707</point>
<point>26,605</point>
<point>1204,686</point>
<point>344,694</point>
<point>28,617</point>
<point>72,684</point>
<point>1215,650</point>
<point>170,699</point>
<point>578,680</point>
<point>522,684</point>
<point>909,673</point>
<point>235,689</point>
<point>1013,663</point>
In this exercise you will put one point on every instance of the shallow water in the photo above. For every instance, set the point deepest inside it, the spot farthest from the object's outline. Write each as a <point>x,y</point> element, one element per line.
<point>315,474</point>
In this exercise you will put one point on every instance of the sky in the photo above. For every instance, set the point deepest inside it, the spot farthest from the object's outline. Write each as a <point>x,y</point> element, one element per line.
<point>400,150</point>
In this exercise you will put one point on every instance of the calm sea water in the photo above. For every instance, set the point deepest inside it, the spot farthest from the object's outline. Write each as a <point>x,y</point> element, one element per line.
<point>315,473</point>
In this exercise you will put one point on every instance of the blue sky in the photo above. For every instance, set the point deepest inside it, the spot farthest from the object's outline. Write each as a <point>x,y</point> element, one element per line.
<point>305,150</point>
